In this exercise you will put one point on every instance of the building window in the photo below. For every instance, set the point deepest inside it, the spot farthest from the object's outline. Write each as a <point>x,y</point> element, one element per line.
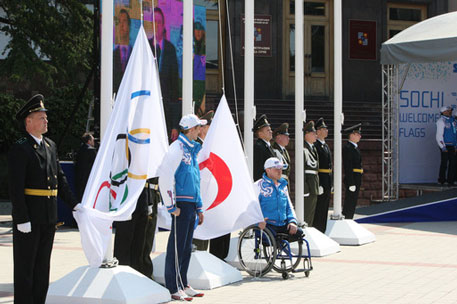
<point>310,8</point>
<point>402,16</point>
<point>212,46</point>
<point>317,48</point>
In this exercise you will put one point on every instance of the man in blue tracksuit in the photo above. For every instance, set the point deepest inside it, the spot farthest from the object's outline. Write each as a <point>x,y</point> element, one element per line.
<point>179,183</point>
<point>274,200</point>
<point>446,140</point>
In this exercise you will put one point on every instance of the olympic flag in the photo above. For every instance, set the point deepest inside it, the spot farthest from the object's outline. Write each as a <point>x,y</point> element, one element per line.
<point>229,201</point>
<point>131,150</point>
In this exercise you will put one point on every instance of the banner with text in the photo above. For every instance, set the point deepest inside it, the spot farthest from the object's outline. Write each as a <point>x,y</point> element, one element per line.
<point>426,89</point>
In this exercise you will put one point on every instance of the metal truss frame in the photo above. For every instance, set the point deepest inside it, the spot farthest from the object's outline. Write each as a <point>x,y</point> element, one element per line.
<point>390,147</point>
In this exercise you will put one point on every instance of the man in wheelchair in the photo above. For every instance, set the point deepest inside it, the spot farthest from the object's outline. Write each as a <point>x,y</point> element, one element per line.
<point>275,202</point>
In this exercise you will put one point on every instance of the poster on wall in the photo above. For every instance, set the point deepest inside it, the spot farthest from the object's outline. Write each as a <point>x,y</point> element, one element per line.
<point>262,35</point>
<point>163,23</point>
<point>426,89</point>
<point>362,39</point>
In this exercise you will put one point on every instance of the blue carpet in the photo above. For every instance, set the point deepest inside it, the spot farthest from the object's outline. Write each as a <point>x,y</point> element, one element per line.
<point>444,210</point>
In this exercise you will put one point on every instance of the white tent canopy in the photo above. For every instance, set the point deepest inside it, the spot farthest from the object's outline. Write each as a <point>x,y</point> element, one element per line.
<point>431,40</point>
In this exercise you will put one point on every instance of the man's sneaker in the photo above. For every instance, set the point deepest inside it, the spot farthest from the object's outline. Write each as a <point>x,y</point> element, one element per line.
<point>192,292</point>
<point>181,296</point>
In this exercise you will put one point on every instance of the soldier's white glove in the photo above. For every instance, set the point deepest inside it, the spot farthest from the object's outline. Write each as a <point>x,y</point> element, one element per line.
<point>77,207</point>
<point>321,190</point>
<point>25,227</point>
<point>149,210</point>
<point>352,188</point>
<point>306,195</point>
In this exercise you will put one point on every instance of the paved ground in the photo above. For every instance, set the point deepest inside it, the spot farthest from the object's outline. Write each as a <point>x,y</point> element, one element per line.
<point>409,263</point>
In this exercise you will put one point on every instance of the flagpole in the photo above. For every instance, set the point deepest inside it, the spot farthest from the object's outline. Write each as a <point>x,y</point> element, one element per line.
<point>249,111</point>
<point>299,105</point>
<point>338,109</point>
<point>187,77</point>
<point>106,81</point>
<point>106,74</point>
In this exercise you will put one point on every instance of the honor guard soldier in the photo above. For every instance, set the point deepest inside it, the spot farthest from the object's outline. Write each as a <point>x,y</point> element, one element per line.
<point>281,138</point>
<point>352,167</point>
<point>83,163</point>
<point>134,238</point>
<point>202,245</point>
<point>35,180</point>
<point>325,176</point>
<point>153,199</point>
<point>262,146</point>
<point>311,167</point>
<point>204,129</point>
<point>446,139</point>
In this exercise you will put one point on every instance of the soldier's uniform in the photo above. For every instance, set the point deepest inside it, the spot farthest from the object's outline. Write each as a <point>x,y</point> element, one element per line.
<point>35,180</point>
<point>281,152</point>
<point>352,167</point>
<point>85,159</point>
<point>134,238</point>
<point>325,181</point>
<point>311,167</point>
<point>154,199</point>
<point>262,148</point>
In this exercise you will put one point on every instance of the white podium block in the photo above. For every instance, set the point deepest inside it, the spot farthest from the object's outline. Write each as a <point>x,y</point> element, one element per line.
<point>232,256</point>
<point>348,232</point>
<point>205,271</point>
<point>319,244</point>
<point>118,285</point>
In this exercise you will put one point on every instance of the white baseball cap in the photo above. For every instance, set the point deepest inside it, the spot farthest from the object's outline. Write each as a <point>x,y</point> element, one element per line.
<point>445,108</point>
<point>191,120</point>
<point>273,162</point>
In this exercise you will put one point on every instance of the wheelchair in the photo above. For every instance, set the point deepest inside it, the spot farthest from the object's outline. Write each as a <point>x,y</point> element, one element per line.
<point>259,252</point>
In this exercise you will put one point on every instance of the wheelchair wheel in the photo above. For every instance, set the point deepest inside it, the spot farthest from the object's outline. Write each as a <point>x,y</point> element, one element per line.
<point>307,266</point>
<point>288,256</point>
<point>256,250</point>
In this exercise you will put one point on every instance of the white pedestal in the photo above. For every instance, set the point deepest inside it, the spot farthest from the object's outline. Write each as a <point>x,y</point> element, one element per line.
<point>319,244</point>
<point>348,232</point>
<point>232,256</point>
<point>205,271</point>
<point>121,284</point>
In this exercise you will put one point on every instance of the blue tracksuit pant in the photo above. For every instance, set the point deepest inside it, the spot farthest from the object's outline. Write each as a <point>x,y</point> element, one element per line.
<point>185,224</point>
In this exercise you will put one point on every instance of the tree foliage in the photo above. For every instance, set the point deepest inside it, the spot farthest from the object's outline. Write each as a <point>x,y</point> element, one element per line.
<point>50,42</point>
<point>50,51</point>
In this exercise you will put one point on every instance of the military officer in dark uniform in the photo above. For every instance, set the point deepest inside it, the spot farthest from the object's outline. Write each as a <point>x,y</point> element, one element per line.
<point>311,167</point>
<point>134,238</point>
<point>202,245</point>
<point>281,137</point>
<point>352,166</point>
<point>325,176</point>
<point>153,199</point>
<point>83,164</point>
<point>35,180</point>
<point>262,146</point>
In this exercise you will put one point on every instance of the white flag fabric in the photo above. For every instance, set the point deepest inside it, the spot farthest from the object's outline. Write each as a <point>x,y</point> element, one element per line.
<point>229,201</point>
<point>131,150</point>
